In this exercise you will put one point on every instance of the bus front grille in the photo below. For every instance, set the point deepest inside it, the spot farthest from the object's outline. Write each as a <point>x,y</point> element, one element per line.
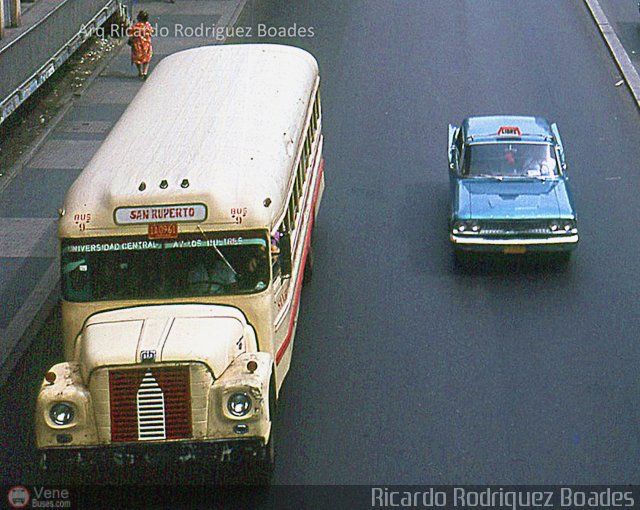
<point>151,409</point>
<point>151,403</point>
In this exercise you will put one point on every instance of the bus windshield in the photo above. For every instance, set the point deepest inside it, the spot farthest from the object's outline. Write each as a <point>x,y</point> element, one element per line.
<point>205,264</point>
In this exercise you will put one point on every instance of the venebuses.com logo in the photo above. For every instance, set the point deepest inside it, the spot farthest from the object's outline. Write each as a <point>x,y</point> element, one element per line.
<point>19,496</point>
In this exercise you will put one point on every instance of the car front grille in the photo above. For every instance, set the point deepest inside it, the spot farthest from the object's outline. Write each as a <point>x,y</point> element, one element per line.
<point>515,227</point>
<point>150,403</point>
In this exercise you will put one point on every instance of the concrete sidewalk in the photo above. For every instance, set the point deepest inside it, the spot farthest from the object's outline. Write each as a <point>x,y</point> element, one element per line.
<point>619,25</point>
<point>29,272</point>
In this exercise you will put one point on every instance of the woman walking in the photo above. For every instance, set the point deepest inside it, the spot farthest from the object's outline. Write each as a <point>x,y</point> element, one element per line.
<point>140,41</point>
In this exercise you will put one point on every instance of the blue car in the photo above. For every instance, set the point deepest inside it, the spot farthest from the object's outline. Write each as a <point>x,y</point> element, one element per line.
<point>509,187</point>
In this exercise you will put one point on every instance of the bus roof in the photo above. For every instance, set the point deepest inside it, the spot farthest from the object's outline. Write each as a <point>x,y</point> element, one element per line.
<point>215,125</point>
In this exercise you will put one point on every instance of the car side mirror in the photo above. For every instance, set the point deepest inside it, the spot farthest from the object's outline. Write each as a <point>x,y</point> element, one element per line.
<point>559,146</point>
<point>453,158</point>
<point>563,162</point>
<point>451,135</point>
<point>285,255</point>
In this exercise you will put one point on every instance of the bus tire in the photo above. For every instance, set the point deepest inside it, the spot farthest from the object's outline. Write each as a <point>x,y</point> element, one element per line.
<point>308,267</point>
<point>264,467</point>
<point>265,464</point>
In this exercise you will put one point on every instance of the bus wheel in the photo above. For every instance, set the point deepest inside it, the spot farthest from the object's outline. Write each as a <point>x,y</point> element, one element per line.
<point>308,267</point>
<point>263,468</point>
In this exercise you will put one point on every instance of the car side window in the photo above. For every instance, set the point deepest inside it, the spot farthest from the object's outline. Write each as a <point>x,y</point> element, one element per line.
<point>457,158</point>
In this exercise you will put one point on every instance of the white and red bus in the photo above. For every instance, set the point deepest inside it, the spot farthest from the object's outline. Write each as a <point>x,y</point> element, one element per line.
<point>184,246</point>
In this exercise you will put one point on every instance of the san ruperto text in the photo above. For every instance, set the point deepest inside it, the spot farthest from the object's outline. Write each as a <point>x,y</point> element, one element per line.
<point>459,497</point>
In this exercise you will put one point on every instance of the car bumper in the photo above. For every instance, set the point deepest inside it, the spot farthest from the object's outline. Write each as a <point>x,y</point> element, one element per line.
<point>237,451</point>
<point>515,244</point>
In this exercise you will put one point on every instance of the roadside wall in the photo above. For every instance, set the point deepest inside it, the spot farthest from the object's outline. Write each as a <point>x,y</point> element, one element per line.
<point>51,31</point>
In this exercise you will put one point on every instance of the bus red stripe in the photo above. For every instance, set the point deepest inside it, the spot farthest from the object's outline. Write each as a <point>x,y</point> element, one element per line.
<point>307,243</point>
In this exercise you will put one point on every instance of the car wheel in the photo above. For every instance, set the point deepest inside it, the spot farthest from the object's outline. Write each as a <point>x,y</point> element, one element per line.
<point>460,257</point>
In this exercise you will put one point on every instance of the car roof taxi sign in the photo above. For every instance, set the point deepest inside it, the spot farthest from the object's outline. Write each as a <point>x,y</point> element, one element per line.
<point>509,131</point>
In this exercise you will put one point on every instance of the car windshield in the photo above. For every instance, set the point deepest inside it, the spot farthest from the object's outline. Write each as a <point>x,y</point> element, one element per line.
<point>140,268</point>
<point>534,160</point>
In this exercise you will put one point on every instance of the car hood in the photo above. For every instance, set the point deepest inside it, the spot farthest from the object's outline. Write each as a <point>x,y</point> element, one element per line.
<point>491,199</point>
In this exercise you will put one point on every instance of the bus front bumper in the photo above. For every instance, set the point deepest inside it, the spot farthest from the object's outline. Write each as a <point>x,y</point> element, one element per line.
<point>223,452</point>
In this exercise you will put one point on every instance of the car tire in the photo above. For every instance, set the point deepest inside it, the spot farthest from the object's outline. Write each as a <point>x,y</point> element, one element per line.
<point>460,257</point>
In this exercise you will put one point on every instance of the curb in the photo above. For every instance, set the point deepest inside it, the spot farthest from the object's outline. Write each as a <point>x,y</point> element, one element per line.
<point>44,296</point>
<point>30,317</point>
<point>616,48</point>
<point>34,147</point>
<point>19,165</point>
<point>234,17</point>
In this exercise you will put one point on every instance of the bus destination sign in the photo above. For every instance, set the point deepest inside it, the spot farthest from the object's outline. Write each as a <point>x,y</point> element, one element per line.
<point>160,214</point>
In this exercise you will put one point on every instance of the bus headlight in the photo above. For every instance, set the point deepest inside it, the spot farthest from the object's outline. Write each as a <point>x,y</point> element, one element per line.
<point>239,404</point>
<point>62,413</point>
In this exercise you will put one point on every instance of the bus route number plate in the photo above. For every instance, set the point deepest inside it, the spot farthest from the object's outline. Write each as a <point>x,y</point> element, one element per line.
<point>163,230</point>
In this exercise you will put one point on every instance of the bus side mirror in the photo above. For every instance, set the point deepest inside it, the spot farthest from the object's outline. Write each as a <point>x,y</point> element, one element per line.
<point>285,255</point>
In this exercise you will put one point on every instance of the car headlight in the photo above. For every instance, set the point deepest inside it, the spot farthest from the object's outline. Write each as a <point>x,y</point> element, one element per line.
<point>466,227</point>
<point>239,404</point>
<point>563,226</point>
<point>62,413</point>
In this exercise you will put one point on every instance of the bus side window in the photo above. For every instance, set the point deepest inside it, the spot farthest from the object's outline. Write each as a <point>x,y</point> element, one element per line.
<point>275,253</point>
<point>291,215</point>
<point>285,254</point>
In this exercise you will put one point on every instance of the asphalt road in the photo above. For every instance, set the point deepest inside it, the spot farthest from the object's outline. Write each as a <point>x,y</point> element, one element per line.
<point>406,368</point>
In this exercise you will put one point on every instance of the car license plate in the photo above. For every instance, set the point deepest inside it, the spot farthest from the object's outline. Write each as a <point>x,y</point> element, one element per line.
<point>515,249</point>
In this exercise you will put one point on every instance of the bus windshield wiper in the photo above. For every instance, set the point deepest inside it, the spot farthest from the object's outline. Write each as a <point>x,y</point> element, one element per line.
<point>222,257</point>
